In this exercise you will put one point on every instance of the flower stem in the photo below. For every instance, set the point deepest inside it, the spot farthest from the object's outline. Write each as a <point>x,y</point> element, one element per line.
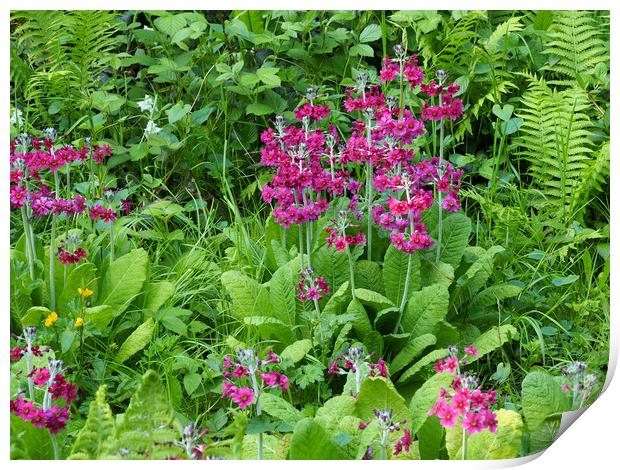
<point>464,446</point>
<point>29,254</point>
<point>258,413</point>
<point>55,446</point>
<point>111,242</point>
<point>53,249</point>
<point>351,271</point>
<point>439,194</point>
<point>403,301</point>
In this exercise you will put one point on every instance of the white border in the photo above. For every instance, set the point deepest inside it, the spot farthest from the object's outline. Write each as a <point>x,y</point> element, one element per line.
<point>590,444</point>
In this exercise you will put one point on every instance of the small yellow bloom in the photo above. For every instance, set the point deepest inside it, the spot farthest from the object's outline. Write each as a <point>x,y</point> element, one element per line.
<point>79,321</point>
<point>85,292</point>
<point>51,319</point>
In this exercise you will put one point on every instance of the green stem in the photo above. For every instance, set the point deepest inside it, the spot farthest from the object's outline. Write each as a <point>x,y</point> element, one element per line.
<point>464,447</point>
<point>29,253</point>
<point>351,271</point>
<point>55,446</point>
<point>439,194</point>
<point>403,301</point>
<point>111,242</point>
<point>53,249</point>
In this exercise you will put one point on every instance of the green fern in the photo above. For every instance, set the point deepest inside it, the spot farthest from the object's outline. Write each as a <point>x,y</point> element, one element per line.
<point>65,52</point>
<point>577,44</point>
<point>555,140</point>
<point>147,430</point>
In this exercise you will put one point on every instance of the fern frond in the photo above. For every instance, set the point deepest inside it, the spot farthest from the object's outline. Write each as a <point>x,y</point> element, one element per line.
<point>555,140</point>
<point>576,43</point>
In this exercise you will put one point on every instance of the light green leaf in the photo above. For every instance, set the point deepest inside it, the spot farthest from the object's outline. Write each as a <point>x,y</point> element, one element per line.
<point>123,280</point>
<point>361,324</point>
<point>414,348</point>
<point>493,339</point>
<point>279,408</point>
<point>429,358</point>
<point>282,295</point>
<point>98,428</point>
<point>425,309</point>
<point>394,273</point>
<point>297,351</point>
<point>269,76</point>
<point>311,440</point>
<point>157,293</point>
<point>191,382</point>
<point>425,397</point>
<point>83,276</point>
<point>371,33</point>
<point>99,316</point>
<point>455,236</point>
<point>136,341</point>
<point>380,393</point>
<point>178,112</point>
<point>487,445</point>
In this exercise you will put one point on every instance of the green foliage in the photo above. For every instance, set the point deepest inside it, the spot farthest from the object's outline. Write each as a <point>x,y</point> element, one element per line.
<point>146,430</point>
<point>576,44</point>
<point>543,404</point>
<point>487,445</point>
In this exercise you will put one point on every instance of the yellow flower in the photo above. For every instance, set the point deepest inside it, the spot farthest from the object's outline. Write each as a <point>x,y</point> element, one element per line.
<point>79,321</point>
<point>51,319</point>
<point>85,292</point>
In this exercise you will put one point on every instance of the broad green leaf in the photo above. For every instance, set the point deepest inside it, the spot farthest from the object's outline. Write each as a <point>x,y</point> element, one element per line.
<point>136,341</point>
<point>371,33</point>
<point>491,295</point>
<point>99,316</point>
<point>249,298</point>
<point>83,276</point>
<point>34,316</point>
<point>269,76</point>
<point>191,382</point>
<point>66,340</point>
<point>363,50</point>
<point>332,265</point>
<point>334,409</point>
<point>29,442</point>
<point>297,351</point>
<point>339,301</point>
<point>455,236</point>
<point>156,294</point>
<point>432,273</point>
<point>493,339</point>
<point>123,280</point>
<point>425,397</point>
<point>280,408</point>
<point>380,393</point>
<point>258,109</point>
<point>431,438</point>
<point>414,348</point>
<point>170,24</point>
<point>368,275</point>
<point>282,295</point>
<point>361,324</point>
<point>487,445</point>
<point>178,112</point>
<point>395,271</point>
<point>543,402</point>
<point>429,358</point>
<point>310,440</point>
<point>425,309</point>
<point>373,299</point>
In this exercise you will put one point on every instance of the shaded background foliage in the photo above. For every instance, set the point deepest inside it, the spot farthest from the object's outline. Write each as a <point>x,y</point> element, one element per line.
<point>533,140</point>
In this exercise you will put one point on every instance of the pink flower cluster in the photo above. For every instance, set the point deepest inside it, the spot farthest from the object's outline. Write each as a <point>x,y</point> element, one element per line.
<point>98,212</point>
<point>465,400</point>
<point>313,112</point>
<point>67,257</point>
<point>411,72</point>
<point>449,106</point>
<point>54,418</point>
<point>247,368</point>
<point>100,152</point>
<point>310,287</point>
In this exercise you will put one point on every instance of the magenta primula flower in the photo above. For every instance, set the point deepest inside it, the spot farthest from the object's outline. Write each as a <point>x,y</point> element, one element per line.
<point>243,397</point>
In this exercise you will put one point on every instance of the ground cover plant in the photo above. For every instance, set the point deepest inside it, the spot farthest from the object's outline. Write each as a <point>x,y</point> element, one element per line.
<point>306,235</point>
